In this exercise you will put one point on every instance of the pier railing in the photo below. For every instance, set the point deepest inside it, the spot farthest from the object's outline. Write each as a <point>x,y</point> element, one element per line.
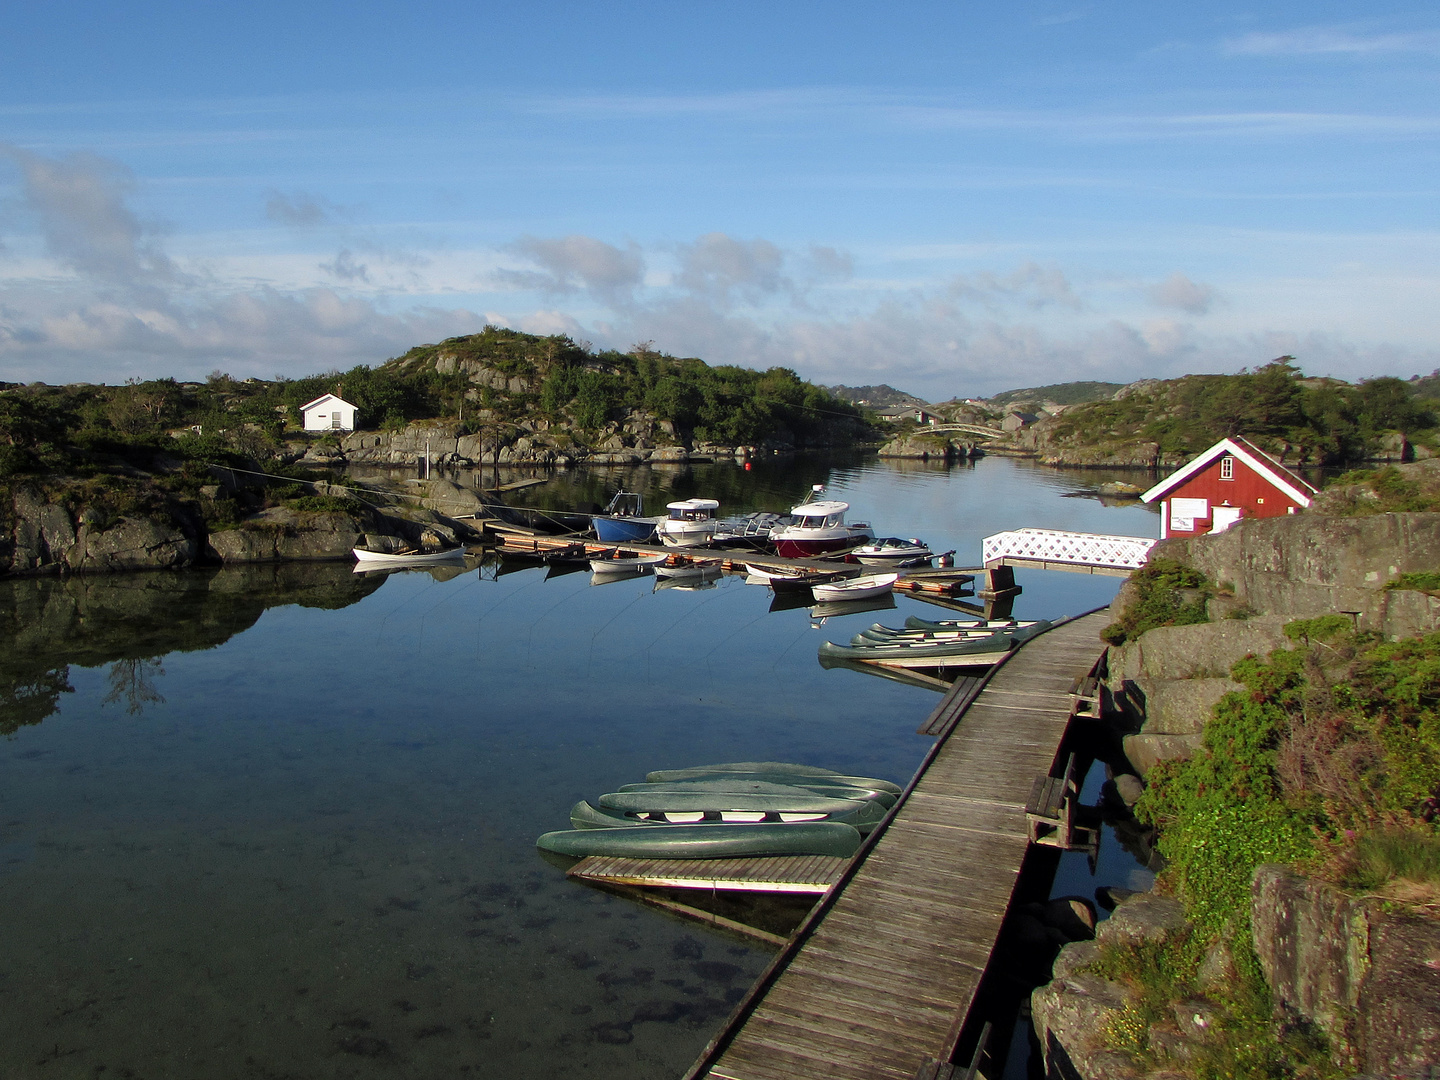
<point>1053,549</point>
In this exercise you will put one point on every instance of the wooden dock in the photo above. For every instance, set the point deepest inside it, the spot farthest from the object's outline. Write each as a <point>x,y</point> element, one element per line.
<point>879,980</point>
<point>780,873</point>
<point>942,582</point>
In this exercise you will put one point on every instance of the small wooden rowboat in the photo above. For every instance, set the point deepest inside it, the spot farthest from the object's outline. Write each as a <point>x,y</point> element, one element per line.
<point>407,558</point>
<point>617,562</point>
<point>860,588</point>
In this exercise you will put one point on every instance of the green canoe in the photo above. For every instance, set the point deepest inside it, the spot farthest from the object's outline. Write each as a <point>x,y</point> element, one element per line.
<point>667,799</point>
<point>760,770</point>
<point>583,815</point>
<point>770,784</point>
<point>706,841</point>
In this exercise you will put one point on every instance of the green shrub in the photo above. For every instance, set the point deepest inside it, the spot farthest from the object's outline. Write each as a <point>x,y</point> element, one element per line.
<point>1158,600</point>
<point>323,504</point>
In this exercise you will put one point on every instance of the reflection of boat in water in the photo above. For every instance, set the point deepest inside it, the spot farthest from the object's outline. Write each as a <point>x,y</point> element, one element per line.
<point>623,521</point>
<point>374,560</point>
<point>735,809</point>
<point>709,580</point>
<point>819,527</point>
<point>691,522</point>
<point>859,588</point>
<point>830,609</point>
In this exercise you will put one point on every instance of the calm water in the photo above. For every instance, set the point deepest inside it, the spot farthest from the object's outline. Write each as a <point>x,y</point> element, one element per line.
<point>266,822</point>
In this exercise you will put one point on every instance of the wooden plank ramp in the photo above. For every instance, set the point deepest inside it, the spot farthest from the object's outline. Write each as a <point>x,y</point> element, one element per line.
<point>778,873</point>
<point>879,979</point>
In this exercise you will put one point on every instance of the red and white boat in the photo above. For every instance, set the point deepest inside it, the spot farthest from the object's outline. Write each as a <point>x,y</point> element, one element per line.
<point>819,527</point>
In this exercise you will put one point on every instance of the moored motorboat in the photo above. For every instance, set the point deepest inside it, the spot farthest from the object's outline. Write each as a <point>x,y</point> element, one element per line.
<point>893,551</point>
<point>707,841</point>
<point>859,588</point>
<point>407,558</point>
<point>689,523</point>
<point>819,527</point>
<point>624,520</point>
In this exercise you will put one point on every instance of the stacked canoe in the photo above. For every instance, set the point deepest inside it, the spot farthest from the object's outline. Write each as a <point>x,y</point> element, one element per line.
<point>729,810</point>
<point>922,643</point>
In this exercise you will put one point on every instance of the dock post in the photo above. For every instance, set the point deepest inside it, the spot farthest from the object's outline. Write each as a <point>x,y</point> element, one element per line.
<point>999,581</point>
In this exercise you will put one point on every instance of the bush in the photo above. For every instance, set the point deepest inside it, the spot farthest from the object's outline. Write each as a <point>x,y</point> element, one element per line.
<point>1158,599</point>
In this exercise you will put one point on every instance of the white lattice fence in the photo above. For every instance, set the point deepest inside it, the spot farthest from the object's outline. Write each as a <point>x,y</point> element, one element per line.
<point>1079,549</point>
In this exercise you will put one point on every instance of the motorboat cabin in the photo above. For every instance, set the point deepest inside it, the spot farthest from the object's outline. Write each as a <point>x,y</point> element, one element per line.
<point>691,522</point>
<point>819,527</point>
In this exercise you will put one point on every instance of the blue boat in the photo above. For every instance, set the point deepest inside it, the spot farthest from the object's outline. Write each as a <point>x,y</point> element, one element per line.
<point>623,521</point>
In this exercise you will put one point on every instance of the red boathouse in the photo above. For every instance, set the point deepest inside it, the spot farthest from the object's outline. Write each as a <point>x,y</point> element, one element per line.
<point>1231,480</point>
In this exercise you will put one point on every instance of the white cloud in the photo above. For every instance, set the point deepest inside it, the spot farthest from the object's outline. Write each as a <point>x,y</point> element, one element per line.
<point>1178,291</point>
<point>572,264</point>
<point>1331,40</point>
<point>723,269</point>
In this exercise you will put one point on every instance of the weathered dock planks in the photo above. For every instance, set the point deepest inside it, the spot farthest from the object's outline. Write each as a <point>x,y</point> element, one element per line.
<point>779,873</point>
<point>878,981</point>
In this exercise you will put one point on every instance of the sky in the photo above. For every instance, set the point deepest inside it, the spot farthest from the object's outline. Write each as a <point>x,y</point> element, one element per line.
<point>952,198</point>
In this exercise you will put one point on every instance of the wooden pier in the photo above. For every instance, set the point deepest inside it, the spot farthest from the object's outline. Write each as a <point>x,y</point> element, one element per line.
<point>943,582</point>
<point>879,979</point>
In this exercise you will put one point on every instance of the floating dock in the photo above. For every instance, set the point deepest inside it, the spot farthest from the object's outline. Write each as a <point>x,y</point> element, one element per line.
<point>880,978</point>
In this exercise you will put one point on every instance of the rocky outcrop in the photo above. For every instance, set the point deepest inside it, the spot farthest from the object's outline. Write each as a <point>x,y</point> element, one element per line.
<point>1164,685</point>
<point>1311,564</point>
<point>927,446</point>
<point>285,534</point>
<point>1369,978</point>
<point>48,537</point>
<point>1072,1011</point>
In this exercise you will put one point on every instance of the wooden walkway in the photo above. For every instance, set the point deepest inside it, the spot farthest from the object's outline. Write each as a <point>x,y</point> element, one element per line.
<point>878,981</point>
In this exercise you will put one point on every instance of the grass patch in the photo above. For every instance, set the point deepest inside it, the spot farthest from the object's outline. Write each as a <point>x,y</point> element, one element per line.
<point>1241,1040</point>
<point>1400,862</point>
<point>1426,581</point>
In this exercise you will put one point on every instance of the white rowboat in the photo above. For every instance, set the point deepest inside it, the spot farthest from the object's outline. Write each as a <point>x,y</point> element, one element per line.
<point>860,588</point>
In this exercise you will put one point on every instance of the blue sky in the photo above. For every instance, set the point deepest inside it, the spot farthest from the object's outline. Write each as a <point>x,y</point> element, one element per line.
<point>953,198</point>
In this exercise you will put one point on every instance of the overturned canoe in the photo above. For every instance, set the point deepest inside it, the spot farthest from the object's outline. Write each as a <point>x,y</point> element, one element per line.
<point>706,841</point>
<point>671,800</point>
<point>585,815</point>
<point>771,784</point>
<point>763,769</point>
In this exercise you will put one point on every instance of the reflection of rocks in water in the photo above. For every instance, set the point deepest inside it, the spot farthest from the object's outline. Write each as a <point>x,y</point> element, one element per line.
<point>133,620</point>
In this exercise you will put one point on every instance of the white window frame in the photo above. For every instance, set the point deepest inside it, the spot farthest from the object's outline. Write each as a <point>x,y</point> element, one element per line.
<point>1227,467</point>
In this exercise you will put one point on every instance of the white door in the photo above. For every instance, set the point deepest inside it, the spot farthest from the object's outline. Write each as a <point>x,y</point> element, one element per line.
<point>1222,517</point>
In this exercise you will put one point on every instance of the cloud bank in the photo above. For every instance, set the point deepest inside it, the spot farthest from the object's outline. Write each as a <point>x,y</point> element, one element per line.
<point>90,291</point>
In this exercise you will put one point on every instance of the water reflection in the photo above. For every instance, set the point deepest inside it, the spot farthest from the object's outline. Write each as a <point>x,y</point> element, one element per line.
<point>130,621</point>
<point>132,683</point>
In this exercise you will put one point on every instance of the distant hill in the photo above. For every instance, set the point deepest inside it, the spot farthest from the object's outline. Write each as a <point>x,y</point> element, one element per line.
<point>1067,393</point>
<point>875,397</point>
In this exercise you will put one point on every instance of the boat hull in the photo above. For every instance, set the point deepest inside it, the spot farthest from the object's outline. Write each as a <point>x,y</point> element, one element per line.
<point>621,530</point>
<point>810,547</point>
<point>381,558</point>
<point>860,588</point>
<point>707,841</point>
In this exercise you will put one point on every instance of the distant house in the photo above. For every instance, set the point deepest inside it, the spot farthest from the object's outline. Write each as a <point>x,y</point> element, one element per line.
<point>1231,480</point>
<point>329,413</point>
<point>905,412</point>
<point>1016,420</point>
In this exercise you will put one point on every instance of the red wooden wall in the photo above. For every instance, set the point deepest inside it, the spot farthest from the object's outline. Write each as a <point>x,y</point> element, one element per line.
<point>1249,489</point>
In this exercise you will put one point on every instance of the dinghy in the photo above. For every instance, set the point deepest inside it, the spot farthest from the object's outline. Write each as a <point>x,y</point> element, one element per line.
<point>406,558</point>
<point>860,588</point>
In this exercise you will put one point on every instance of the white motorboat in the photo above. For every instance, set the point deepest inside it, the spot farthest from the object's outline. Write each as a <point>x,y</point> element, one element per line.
<point>690,523</point>
<point>819,527</point>
<point>893,551</point>
<point>618,562</point>
<point>407,558</point>
<point>859,588</point>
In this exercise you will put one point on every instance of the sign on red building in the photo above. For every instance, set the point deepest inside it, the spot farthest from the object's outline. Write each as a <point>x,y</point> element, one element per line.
<point>1234,479</point>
